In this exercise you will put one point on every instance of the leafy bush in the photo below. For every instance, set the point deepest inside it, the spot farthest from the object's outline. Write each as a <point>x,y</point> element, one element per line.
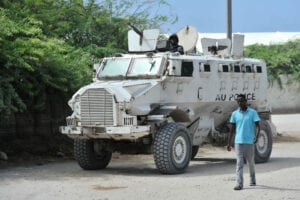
<point>281,59</point>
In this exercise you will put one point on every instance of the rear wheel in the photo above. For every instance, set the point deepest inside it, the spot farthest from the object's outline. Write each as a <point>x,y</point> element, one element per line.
<point>172,149</point>
<point>263,147</point>
<point>89,154</point>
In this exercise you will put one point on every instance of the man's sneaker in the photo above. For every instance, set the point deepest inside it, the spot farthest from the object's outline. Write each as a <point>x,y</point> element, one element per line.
<point>238,187</point>
<point>253,184</point>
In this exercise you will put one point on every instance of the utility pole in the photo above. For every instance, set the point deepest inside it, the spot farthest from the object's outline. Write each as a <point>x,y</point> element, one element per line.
<point>229,19</point>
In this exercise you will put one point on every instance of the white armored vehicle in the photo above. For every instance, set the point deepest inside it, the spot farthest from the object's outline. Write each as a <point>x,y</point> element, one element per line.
<point>155,101</point>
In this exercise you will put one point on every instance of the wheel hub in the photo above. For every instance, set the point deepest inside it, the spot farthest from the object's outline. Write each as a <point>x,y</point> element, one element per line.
<point>262,142</point>
<point>179,149</point>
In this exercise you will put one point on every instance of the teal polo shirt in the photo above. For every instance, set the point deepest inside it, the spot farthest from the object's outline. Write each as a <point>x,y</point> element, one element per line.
<point>245,125</point>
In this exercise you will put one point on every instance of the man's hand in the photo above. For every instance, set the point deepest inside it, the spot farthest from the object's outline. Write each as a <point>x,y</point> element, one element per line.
<point>232,131</point>
<point>257,127</point>
<point>255,140</point>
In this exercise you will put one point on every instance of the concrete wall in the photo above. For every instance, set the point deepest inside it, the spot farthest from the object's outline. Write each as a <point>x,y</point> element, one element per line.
<point>285,99</point>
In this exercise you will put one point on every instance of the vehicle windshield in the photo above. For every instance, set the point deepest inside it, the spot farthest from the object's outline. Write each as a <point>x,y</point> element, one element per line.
<point>130,67</point>
<point>114,67</point>
<point>145,66</point>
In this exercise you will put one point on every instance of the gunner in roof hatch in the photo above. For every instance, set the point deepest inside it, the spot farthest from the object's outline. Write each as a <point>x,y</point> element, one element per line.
<point>173,42</point>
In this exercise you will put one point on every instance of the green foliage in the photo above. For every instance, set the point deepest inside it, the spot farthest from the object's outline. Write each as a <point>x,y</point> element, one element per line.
<point>32,64</point>
<point>49,46</point>
<point>281,59</point>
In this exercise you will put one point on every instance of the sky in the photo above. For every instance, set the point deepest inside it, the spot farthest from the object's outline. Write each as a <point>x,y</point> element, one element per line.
<point>209,16</point>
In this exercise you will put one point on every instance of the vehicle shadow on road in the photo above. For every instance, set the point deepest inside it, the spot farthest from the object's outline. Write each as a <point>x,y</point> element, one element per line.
<point>215,160</point>
<point>198,166</point>
<point>219,166</point>
<point>203,166</point>
<point>208,166</point>
<point>133,171</point>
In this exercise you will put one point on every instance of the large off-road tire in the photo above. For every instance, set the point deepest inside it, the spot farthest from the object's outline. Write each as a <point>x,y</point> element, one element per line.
<point>194,151</point>
<point>263,147</point>
<point>87,157</point>
<point>172,148</point>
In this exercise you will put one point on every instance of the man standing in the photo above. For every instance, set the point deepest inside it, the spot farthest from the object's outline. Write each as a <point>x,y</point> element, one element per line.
<point>245,125</point>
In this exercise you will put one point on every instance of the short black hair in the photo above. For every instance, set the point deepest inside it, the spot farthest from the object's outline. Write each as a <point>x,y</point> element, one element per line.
<point>241,96</point>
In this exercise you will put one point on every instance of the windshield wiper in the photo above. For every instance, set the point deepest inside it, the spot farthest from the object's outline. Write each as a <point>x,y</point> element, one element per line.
<point>152,65</point>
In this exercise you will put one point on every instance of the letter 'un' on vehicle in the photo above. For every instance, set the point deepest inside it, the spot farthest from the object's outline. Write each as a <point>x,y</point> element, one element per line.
<point>152,100</point>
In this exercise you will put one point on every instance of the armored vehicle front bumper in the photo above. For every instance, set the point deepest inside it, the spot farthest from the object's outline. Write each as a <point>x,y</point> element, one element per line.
<point>110,132</point>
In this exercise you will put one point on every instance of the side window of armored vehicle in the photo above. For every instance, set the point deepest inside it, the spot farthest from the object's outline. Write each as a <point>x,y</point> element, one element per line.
<point>187,68</point>
<point>237,68</point>
<point>258,69</point>
<point>225,68</point>
<point>248,69</point>
<point>206,67</point>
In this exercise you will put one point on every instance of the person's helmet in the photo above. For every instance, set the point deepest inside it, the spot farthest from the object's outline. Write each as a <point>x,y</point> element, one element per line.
<point>174,38</point>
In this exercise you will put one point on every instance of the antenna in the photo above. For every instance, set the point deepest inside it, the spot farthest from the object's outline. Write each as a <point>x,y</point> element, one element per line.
<point>229,19</point>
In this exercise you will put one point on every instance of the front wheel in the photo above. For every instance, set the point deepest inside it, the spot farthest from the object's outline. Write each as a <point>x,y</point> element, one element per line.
<point>89,156</point>
<point>263,147</point>
<point>172,149</point>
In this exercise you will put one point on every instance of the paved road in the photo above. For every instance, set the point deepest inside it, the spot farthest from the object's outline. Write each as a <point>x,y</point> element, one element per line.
<point>210,176</point>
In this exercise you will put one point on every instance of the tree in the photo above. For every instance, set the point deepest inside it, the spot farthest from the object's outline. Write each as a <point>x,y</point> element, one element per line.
<point>281,59</point>
<point>32,64</point>
<point>48,46</point>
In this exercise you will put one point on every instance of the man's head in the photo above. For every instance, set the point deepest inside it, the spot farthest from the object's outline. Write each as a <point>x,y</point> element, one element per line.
<point>242,101</point>
<point>173,39</point>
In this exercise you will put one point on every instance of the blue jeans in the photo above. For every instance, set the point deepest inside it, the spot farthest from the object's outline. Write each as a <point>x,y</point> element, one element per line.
<point>244,151</point>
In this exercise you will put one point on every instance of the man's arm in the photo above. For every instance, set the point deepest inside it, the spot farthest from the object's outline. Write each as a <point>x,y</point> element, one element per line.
<point>232,132</point>
<point>257,130</point>
<point>180,49</point>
